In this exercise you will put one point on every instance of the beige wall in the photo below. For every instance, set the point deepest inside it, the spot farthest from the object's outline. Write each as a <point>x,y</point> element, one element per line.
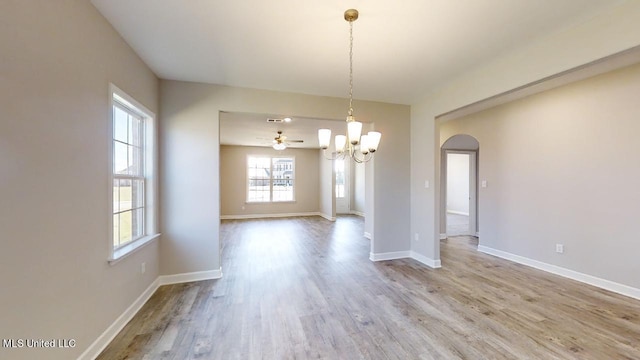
<point>233,182</point>
<point>606,34</point>
<point>190,158</point>
<point>58,58</point>
<point>559,170</point>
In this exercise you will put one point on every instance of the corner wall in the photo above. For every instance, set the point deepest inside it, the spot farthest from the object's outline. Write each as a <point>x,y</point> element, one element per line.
<point>561,168</point>
<point>327,186</point>
<point>58,58</point>
<point>594,39</point>
<point>190,172</point>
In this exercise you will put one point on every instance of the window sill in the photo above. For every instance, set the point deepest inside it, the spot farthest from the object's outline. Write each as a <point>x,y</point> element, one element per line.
<point>127,250</point>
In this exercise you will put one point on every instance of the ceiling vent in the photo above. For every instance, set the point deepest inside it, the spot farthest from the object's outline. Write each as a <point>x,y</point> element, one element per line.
<point>275,120</point>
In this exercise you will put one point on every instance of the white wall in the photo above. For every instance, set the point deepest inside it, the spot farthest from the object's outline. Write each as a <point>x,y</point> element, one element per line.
<point>58,58</point>
<point>558,171</point>
<point>594,39</point>
<point>458,183</point>
<point>358,190</point>
<point>190,165</point>
<point>326,193</point>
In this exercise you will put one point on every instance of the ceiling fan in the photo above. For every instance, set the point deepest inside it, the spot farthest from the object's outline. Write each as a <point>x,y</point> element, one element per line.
<point>280,142</point>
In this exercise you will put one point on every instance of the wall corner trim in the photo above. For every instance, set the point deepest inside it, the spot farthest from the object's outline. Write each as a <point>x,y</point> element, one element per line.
<point>108,335</point>
<point>389,255</point>
<point>432,263</point>
<point>189,277</point>
<point>330,218</point>
<point>564,272</point>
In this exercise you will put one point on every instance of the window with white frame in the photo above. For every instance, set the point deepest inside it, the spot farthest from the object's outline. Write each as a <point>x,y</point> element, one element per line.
<point>270,179</point>
<point>133,220</point>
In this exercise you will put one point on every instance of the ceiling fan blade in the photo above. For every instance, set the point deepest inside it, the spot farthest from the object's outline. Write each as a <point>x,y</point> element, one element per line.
<point>295,141</point>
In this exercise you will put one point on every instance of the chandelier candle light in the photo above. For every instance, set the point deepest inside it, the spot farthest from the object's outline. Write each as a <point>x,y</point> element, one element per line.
<point>359,148</point>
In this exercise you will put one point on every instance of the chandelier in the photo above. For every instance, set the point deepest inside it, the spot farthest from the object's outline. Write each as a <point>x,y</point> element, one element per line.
<point>358,147</point>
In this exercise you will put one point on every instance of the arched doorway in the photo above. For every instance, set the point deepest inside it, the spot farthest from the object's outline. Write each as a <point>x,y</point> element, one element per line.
<point>459,186</point>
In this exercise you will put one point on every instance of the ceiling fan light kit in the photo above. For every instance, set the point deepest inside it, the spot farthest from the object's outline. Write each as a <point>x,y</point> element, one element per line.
<point>280,142</point>
<point>355,145</point>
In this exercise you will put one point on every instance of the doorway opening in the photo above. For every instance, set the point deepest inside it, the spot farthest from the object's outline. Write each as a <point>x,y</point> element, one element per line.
<point>458,198</point>
<point>341,170</point>
<point>459,192</point>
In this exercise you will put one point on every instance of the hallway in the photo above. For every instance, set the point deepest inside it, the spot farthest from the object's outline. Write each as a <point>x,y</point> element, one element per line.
<point>457,224</point>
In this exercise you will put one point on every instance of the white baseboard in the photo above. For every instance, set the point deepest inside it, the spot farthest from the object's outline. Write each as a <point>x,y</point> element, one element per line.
<point>108,335</point>
<point>389,255</point>
<point>328,217</point>
<point>404,255</point>
<point>571,274</point>
<point>281,215</point>
<point>359,213</point>
<point>443,236</point>
<point>264,216</point>
<point>435,264</point>
<point>457,212</point>
<point>367,235</point>
<point>189,277</point>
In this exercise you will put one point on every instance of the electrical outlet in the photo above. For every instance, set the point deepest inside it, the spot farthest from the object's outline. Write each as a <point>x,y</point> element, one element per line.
<point>143,267</point>
<point>416,237</point>
<point>559,248</point>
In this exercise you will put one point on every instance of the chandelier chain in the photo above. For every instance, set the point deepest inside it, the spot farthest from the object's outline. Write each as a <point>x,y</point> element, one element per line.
<point>355,145</point>
<point>350,68</point>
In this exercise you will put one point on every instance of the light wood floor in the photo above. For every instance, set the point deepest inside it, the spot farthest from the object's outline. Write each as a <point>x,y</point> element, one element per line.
<point>304,288</point>
<point>457,224</point>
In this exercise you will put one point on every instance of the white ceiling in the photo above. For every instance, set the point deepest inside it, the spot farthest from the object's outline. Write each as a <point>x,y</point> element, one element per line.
<point>402,49</point>
<point>253,129</point>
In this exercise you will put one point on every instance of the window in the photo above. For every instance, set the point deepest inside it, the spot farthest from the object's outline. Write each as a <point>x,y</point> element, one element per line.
<point>270,179</point>
<point>132,160</point>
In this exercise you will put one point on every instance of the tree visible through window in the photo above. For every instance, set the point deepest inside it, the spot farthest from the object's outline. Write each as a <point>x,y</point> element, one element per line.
<point>134,216</point>
<point>128,175</point>
<point>270,179</point>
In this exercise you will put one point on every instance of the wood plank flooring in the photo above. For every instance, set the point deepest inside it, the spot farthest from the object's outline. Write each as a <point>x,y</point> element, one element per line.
<point>304,288</point>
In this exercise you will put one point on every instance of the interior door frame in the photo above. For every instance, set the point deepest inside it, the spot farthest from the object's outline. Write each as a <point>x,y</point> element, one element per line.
<point>473,188</point>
